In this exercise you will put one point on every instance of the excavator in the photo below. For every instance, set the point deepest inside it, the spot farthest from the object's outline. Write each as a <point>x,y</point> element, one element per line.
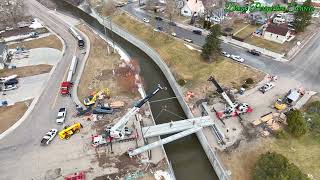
<point>90,100</point>
<point>234,109</point>
<point>118,131</point>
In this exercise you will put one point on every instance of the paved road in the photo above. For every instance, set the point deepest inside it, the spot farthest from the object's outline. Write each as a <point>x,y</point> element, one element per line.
<point>26,137</point>
<point>305,67</point>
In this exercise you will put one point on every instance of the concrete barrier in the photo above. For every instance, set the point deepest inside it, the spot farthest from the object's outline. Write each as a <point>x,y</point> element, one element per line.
<point>212,156</point>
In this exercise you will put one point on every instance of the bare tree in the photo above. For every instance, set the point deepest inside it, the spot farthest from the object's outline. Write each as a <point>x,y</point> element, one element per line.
<point>108,8</point>
<point>12,11</point>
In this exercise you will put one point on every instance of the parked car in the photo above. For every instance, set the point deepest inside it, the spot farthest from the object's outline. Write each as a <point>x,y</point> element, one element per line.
<point>197,32</point>
<point>237,58</point>
<point>48,137</point>
<point>254,52</point>
<point>10,87</point>
<point>158,18</point>
<point>188,40</point>
<point>172,23</point>
<point>266,87</point>
<point>225,54</point>
<point>61,116</point>
<point>11,82</point>
<point>174,34</point>
<point>102,110</point>
<point>146,20</point>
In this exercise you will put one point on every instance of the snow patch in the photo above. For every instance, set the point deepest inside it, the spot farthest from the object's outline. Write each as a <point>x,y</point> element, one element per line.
<point>191,47</point>
<point>162,175</point>
<point>36,24</point>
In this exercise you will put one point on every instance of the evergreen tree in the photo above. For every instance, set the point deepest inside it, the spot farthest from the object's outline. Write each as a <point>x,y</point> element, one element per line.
<point>275,166</point>
<point>211,49</point>
<point>297,126</point>
<point>302,17</point>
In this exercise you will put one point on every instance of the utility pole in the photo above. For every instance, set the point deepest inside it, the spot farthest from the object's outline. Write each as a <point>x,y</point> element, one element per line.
<point>105,33</point>
<point>110,18</point>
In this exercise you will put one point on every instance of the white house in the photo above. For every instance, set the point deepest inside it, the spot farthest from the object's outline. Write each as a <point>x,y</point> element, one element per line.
<point>192,7</point>
<point>277,33</point>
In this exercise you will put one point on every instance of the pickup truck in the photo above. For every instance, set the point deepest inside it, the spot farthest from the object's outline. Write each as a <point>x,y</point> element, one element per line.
<point>48,137</point>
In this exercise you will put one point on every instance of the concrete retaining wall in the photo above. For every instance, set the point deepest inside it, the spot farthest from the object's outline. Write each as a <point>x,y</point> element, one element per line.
<point>217,165</point>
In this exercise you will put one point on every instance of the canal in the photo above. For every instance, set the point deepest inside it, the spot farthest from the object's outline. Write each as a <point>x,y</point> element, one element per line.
<point>188,159</point>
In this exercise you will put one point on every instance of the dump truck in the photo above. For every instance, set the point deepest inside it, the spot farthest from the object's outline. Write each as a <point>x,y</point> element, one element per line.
<point>68,131</point>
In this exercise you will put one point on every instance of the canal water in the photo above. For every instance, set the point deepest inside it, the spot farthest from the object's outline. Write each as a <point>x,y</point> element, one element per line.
<point>188,159</point>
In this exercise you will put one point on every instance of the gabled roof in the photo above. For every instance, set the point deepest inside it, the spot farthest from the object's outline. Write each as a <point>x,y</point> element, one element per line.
<point>276,29</point>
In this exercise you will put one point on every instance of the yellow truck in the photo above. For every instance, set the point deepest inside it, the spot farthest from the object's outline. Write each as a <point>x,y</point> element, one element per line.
<point>68,131</point>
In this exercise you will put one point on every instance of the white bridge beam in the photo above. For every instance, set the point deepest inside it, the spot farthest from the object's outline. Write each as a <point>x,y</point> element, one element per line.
<point>164,141</point>
<point>176,126</point>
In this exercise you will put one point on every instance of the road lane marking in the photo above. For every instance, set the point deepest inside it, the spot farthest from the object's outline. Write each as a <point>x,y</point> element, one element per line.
<point>56,98</point>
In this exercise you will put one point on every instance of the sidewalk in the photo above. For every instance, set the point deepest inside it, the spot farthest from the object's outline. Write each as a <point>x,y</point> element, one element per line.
<point>273,55</point>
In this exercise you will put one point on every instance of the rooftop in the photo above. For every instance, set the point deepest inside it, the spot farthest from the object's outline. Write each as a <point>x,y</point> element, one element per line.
<point>277,29</point>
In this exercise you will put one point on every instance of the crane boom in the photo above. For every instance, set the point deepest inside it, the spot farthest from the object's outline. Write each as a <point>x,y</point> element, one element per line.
<point>221,91</point>
<point>116,130</point>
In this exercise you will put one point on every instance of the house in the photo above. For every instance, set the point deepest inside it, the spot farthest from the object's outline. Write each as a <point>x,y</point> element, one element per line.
<point>3,54</point>
<point>192,7</point>
<point>277,33</point>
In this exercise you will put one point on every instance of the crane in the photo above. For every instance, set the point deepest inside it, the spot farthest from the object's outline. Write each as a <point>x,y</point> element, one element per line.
<point>117,130</point>
<point>233,109</point>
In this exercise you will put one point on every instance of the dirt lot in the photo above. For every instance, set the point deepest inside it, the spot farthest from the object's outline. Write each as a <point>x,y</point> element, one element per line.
<point>185,63</point>
<point>50,41</point>
<point>101,70</point>
<point>26,70</point>
<point>7,118</point>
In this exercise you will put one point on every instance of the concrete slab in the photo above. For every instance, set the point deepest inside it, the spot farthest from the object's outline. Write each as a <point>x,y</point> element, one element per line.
<point>28,88</point>
<point>264,103</point>
<point>39,56</point>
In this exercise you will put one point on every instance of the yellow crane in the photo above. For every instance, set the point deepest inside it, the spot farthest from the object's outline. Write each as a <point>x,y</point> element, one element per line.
<point>68,131</point>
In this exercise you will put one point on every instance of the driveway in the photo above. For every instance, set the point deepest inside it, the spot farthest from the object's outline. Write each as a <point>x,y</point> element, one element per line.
<point>28,88</point>
<point>38,56</point>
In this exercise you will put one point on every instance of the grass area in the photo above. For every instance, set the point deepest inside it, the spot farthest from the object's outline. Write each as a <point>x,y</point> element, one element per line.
<point>263,43</point>
<point>185,63</point>
<point>98,72</point>
<point>246,31</point>
<point>304,152</point>
<point>51,41</point>
<point>11,114</point>
<point>26,70</point>
<point>237,25</point>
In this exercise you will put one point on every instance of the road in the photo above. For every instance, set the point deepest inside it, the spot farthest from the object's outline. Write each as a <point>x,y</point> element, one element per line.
<point>26,137</point>
<point>305,67</point>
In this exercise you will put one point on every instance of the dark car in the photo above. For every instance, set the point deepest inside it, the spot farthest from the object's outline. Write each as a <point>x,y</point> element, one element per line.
<point>11,82</point>
<point>172,23</point>
<point>254,52</point>
<point>102,110</point>
<point>197,32</point>
<point>158,18</point>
